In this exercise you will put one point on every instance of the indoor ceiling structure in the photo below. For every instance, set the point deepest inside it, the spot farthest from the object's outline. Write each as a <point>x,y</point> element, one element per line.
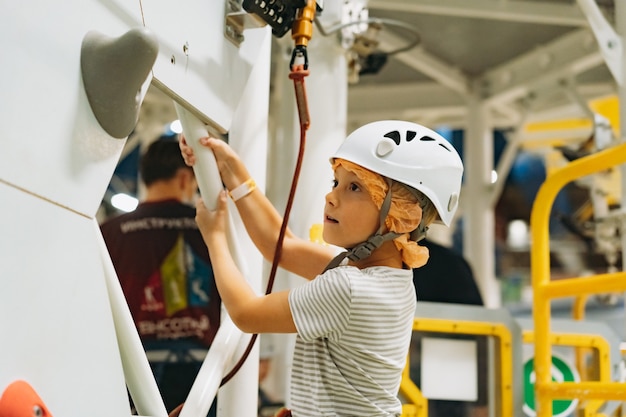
<point>527,60</point>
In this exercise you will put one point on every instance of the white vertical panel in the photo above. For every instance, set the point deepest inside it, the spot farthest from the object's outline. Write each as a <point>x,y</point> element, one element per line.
<point>196,61</point>
<point>55,165</point>
<point>249,136</point>
<point>51,143</point>
<point>54,168</point>
<point>55,317</point>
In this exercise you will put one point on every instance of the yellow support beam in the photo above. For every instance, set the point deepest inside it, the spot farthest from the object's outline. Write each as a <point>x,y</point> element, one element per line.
<point>607,106</point>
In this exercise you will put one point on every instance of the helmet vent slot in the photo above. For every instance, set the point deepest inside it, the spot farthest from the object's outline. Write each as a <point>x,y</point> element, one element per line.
<point>445,147</point>
<point>394,135</point>
<point>410,135</point>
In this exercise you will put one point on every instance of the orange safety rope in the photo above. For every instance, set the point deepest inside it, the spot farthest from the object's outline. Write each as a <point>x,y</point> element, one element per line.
<point>297,74</point>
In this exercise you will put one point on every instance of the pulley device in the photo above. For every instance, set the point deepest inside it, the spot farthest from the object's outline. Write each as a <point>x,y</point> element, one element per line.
<point>283,15</point>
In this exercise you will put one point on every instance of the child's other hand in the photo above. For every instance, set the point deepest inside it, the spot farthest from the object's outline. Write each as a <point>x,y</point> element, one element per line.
<point>186,151</point>
<point>212,222</point>
<point>231,167</point>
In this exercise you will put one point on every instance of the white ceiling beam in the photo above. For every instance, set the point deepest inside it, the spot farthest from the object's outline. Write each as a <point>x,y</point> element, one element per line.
<point>433,104</point>
<point>427,103</point>
<point>453,116</point>
<point>568,56</point>
<point>400,96</point>
<point>428,64</point>
<point>420,102</point>
<point>542,12</point>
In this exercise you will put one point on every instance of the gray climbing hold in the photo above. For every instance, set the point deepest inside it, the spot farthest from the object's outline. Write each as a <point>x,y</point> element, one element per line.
<point>113,71</point>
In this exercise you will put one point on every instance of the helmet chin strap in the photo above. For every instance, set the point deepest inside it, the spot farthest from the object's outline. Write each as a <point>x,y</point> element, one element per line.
<point>365,249</point>
<point>419,233</point>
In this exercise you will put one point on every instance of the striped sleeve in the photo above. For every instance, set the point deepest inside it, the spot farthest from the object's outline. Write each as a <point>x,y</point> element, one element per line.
<point>321,307</point>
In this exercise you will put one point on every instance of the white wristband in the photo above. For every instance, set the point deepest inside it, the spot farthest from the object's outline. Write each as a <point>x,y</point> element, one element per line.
<point>242,190</point>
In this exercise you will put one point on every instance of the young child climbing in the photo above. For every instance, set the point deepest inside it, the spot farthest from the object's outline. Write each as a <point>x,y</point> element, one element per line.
<point>354,316</point>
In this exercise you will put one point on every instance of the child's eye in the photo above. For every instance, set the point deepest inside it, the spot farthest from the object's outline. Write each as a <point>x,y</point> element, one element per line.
<point>334,184</point>
<point>354,187</point>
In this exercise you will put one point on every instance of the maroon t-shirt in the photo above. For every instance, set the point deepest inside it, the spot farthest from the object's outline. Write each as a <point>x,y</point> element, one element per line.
<point>164,268</point>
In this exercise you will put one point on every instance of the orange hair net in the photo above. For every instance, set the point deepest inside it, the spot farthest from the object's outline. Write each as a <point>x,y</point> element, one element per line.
<point>404,214</point>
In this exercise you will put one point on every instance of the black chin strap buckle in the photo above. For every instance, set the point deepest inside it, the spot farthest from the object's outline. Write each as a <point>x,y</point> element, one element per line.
<point>365,249</point>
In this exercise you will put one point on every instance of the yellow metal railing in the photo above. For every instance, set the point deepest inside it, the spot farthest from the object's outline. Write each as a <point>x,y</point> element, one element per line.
<point>544,289</point>
<point>417,405</point>
<point>505,360</point>
<point>587,342</point>
<point>591,341</point>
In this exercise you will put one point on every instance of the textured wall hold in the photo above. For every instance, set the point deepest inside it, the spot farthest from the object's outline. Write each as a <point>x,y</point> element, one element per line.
<point>113,71</point>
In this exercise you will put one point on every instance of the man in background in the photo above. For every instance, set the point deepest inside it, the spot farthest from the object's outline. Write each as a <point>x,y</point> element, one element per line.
<point>447,277</point>
<point>164,269</point>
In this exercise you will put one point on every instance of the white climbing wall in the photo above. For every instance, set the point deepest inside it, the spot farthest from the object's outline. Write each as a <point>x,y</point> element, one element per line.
<point>56,326</point>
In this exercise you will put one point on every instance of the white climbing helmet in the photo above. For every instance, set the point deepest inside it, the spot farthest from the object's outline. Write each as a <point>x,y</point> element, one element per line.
<point>411,154</point>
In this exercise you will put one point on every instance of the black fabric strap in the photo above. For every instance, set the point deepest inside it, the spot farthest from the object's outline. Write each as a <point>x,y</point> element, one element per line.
<point>335,261</point>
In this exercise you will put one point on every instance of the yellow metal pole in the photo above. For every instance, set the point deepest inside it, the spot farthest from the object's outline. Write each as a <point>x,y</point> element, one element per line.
<point>578,313</point>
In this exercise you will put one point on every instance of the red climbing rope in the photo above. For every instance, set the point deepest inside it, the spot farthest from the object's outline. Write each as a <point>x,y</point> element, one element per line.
<point>297,74</point>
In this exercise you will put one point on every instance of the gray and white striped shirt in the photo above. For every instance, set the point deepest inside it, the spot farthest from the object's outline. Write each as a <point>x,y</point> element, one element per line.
<point>354,329</point>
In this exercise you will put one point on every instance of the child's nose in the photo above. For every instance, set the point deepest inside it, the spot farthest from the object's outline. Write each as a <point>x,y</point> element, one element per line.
<point>331,199</point>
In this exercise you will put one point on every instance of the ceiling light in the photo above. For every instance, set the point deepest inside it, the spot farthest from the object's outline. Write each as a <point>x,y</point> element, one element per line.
<point>176,127</point>
<point>124,202</point>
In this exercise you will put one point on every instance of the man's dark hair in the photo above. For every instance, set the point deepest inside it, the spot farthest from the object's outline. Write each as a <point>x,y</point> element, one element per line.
<point>161,161</point>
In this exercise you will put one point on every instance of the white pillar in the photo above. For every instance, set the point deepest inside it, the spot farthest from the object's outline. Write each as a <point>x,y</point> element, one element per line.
<point>326,88</point>
<point>248,137</point>
<point>478,212</point>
